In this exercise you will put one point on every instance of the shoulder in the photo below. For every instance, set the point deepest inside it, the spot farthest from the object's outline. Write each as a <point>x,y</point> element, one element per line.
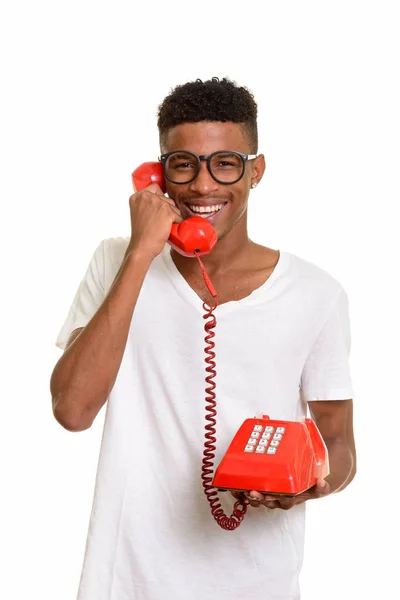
<point>111,252</point>
<point>310,271</point>
<point>110,249</point>
<point>114,247</point>
<point>312,280</point>
<point>108,258</point>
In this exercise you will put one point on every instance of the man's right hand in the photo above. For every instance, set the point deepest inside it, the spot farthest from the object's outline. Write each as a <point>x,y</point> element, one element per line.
<point>152,215</point>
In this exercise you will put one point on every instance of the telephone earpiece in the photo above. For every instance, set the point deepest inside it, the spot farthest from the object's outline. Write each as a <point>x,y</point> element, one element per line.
<point>147,173</point>
<point>190,237</point>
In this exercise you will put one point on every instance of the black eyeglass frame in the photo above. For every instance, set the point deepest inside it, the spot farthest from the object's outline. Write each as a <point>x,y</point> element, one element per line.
<point>245,157</point>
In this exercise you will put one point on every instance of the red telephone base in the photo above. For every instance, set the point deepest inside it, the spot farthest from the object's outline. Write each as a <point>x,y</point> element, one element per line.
<point>273,457</point>
<point>277,494</point>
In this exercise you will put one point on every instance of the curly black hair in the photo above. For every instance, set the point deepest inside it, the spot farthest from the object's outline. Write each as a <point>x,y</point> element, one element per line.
<point>212,100</point>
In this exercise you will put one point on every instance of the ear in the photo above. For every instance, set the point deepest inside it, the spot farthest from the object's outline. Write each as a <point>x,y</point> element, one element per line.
<point>258,169</point>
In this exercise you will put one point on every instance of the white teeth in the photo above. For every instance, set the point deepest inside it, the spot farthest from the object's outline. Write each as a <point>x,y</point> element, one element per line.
<point>205,209</point>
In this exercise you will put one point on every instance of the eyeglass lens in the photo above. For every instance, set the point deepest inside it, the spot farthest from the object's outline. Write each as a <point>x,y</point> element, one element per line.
<point>182,167</point>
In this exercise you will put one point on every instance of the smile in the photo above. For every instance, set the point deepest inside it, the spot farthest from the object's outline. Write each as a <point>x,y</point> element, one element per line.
<point>205,211</point>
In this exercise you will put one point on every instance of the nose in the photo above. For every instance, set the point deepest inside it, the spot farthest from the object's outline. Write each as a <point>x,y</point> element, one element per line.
<point>203,184</point>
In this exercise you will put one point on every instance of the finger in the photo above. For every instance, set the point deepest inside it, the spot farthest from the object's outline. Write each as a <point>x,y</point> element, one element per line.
<point>257,499</point>
<point>177,215</point>
<point>282,502</point>
<point>271,501</point>
<point>255,503</point>
<point>170,202</point>
<point>175,209</point>
<point>323,486</point>
<point>254,499</point>
<point>271,504</point>
<point>255,495</point>
<point>154,188</point>
<point>286,503</point>
<point>316,491</point>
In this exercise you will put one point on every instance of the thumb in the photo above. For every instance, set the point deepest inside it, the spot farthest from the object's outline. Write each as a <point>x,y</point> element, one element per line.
<point>177,215</point>
<point>155,189</point>
<point>323,486</point>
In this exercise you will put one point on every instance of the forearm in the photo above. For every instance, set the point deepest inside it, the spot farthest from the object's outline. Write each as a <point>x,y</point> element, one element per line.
<point>85,374</point>
<point>342,462</point>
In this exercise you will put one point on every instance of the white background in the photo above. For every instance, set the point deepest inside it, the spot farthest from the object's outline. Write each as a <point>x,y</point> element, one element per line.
<point>81,82</point>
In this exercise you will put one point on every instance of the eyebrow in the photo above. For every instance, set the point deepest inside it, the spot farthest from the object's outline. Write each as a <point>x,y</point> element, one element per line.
<point>181,155</point>
<point>184,154</point>
<point>227,154</point>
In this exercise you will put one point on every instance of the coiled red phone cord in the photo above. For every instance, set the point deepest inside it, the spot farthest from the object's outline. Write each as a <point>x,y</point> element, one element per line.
<point>207,469</point>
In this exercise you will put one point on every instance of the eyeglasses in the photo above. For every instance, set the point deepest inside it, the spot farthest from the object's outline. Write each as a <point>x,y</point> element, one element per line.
<point>224,166</point>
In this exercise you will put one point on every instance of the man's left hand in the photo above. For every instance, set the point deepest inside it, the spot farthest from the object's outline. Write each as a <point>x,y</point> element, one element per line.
<point>256,499</point>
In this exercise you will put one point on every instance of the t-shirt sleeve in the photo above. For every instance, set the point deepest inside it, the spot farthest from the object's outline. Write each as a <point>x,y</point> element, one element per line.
<point>326,374</point>
<point>88,298</point>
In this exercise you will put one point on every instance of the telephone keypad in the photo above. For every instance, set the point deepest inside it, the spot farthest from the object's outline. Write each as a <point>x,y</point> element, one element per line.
<point>260,438</point>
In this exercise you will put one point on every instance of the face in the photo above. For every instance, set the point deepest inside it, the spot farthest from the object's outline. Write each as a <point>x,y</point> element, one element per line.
<point>229,201</point>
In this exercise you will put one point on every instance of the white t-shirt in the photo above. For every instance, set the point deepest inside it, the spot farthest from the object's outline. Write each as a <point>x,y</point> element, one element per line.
<point>151,534</point>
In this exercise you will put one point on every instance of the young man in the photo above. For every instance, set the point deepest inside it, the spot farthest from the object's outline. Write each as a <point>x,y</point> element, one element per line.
<point>134,336</point>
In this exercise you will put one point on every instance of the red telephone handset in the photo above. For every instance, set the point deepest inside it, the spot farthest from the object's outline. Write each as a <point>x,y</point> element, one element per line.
<point>194,236</point>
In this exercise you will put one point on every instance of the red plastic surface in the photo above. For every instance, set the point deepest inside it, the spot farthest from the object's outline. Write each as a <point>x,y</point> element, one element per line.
<point>300,458</point>
<point>147,173</point>
<point>193,235</point>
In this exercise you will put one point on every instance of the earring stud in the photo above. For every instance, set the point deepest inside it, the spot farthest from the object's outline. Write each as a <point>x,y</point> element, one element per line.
<point>253,185</point>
